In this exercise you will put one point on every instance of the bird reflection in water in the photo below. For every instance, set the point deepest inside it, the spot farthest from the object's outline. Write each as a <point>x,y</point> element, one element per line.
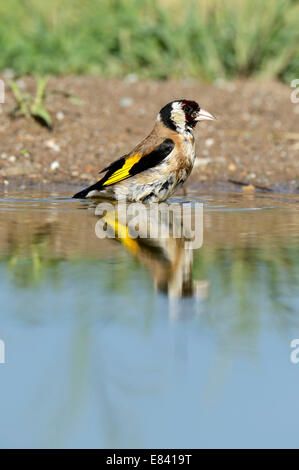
<point>160,243</point>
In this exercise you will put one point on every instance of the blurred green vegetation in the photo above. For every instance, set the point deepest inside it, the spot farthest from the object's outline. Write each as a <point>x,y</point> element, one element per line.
<point>249,287</point>
<point>265,270</point>
<point>34,106</point>
<point>28,105</point>
<point>205,39</point>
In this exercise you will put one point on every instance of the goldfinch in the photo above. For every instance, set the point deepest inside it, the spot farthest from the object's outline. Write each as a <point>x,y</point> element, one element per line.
<point>157,166</point>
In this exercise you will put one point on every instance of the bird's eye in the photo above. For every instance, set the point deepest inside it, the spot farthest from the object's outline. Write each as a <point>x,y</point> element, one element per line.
<point>194,114</point>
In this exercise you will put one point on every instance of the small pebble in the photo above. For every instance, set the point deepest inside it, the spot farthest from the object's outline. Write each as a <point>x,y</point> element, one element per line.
<point>126,102</point>
<point>51,144</point>
<point>4,156</point>
<point>131,78</point>
<point>232,167</point>
<point>55,165</point>
<point>6,183</point>
<point>60,115</point>
<point>209,142</point>
<point>12,159</point>
<point>202,161</point>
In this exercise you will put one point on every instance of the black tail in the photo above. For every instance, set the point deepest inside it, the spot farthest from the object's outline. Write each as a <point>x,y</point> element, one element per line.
<point>83,194</point>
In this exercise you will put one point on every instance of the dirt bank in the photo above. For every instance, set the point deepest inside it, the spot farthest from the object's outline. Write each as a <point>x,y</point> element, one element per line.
<point>254,140</point>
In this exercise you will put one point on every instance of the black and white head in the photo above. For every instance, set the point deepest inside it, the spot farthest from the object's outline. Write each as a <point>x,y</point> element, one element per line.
<point>183,115</point>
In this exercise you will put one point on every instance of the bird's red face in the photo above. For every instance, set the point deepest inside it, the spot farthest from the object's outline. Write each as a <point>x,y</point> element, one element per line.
<point>193,113</point>
<point>191,110</point>
<point>182,115</point>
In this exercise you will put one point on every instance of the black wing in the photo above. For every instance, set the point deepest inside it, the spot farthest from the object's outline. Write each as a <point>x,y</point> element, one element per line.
<point>130,165</point>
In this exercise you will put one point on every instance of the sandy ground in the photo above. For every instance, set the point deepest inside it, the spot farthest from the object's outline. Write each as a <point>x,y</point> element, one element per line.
<point>255,139</point>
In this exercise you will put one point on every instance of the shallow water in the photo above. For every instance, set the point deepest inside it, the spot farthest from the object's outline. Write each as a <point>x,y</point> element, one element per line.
<point>109,344</point>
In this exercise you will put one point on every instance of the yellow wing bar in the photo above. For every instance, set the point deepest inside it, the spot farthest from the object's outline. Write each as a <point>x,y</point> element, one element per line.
<point>121,232</point>
<point>123,172</point>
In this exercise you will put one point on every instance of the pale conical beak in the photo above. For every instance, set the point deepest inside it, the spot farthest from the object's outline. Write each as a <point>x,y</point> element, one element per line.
<point>203,115</point>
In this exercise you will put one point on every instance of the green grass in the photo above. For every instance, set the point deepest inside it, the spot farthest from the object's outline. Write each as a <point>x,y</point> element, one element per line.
<point>207,40</point>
